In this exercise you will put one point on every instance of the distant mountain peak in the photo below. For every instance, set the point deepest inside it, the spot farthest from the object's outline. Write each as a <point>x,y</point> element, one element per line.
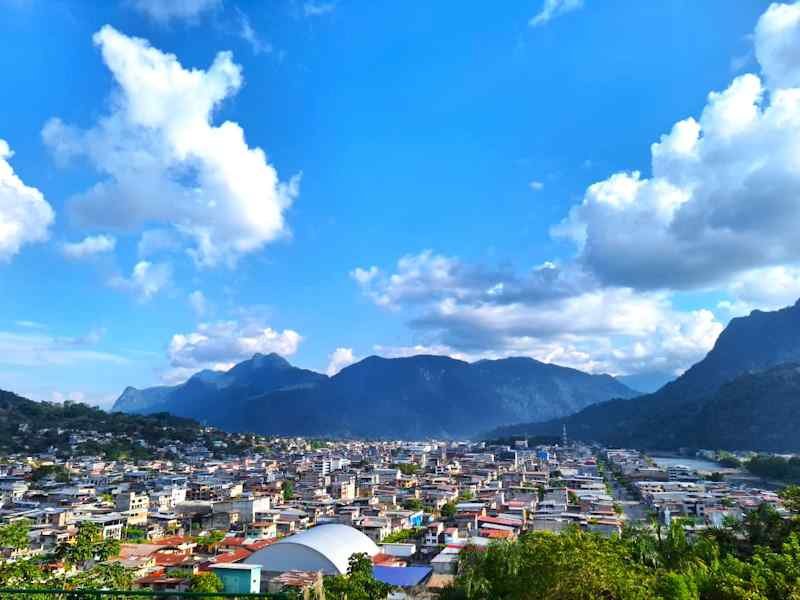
<point>419,395</point>
<point>272,359</point>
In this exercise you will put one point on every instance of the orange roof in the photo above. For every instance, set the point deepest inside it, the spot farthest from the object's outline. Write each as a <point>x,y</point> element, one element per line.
<point>165,560</point>
<point>496,534</point>
<point>174,540</point>
<point>233,556</point>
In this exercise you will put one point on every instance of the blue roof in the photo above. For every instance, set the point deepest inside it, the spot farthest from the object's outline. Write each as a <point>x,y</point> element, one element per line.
<point>401,576</point>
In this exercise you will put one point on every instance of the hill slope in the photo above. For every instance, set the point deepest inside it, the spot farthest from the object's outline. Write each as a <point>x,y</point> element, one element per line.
<point>30,426</point>
<point>414,396</point>
<point>669,417</point>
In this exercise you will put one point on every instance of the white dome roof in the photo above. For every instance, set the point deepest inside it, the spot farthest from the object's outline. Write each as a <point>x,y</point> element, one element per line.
<point>325,548</point>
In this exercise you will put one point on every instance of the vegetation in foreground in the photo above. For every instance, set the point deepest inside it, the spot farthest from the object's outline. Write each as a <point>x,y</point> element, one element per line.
<point>757,559</point>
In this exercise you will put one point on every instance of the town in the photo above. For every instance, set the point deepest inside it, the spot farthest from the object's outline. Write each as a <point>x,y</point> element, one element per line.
<point>279,515</point>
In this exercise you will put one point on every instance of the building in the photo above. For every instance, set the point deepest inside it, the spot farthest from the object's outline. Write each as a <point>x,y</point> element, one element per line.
<point>325,548</point>
<point>238,578</point>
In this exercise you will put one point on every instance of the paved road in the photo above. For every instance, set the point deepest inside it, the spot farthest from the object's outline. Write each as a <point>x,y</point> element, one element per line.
<point>634,511</point>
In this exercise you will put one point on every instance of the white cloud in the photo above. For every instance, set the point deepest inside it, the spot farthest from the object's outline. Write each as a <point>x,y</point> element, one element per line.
<point>39,349</point>
<point>249,35</point>
<point>536,186</point>
<point>777,45</point>
<point>769,288</point>
<point>318,9</point>
<point>157,241</point>
<point>25,215</point>
<point>146,280</point>
<point>552,9</point>
<point>724,195</point>
<point>89,246</point>
<point>164,11</point>
<point>198,302</point>
<point>551,313</point>
<point>165,163</point>
<point>221,344</point>
<point>339,359</point>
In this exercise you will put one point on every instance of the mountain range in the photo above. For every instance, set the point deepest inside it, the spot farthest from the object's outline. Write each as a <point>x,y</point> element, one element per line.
<point>745,394</point>
<point>416,396</point>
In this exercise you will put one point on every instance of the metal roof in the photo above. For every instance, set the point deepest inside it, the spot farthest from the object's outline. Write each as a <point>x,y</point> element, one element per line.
<point>333,542</point>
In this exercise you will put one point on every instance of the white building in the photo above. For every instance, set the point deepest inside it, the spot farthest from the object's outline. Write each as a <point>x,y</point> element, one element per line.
<point>325,548</point>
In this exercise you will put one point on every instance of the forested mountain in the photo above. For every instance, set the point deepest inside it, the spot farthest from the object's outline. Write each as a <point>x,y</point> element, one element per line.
<point>27,425</point>
<point>414,396</point>
<point>696,409</point>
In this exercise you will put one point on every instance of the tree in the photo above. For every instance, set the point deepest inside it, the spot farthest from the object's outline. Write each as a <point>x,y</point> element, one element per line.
<point>413,504</point>
<point>210,541</point>
<point>791,498</point>
<point>358,584</point>
<point>288,490</point>
<point>205,582</point>
<point>15,535</point>
<point>407,469</point>
<point>448,510</point>
<point>57,472</point>
<point>87,546</point>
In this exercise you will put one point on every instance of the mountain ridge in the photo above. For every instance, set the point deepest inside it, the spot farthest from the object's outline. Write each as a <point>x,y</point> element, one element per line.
<point>418,395</point>
<point>667,418</point>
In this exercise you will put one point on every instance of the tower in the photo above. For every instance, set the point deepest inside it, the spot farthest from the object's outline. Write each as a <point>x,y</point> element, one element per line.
<point>564,436</point>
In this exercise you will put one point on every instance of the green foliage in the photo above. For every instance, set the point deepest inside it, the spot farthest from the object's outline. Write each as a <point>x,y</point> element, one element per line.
<point>728,460</point>
<point>358,584</point>
<point>791,498</point>
<point>34,427</point>
<point>775,467</point>
<point>407,469</point>
<point>210,541</point>
<point>758,559</point>
<point>57,472</point>
<point>448,510</point>
<point>88,545</point>
<point>135,534</point>
<point>545,566</point>
<point>413,504</point>
<point>404,535</point>
<point>15,535</point>
<point>205,582</point>
<point>288,490</point>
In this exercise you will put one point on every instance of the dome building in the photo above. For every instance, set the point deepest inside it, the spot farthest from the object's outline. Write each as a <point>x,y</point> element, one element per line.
<point>325,548</point>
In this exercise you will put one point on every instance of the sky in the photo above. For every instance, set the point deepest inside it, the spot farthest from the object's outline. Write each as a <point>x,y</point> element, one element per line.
<point>597,184</point>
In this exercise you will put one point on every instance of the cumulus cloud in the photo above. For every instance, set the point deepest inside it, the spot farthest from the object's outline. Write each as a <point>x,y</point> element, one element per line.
<point>165,11</point>
<point>552,9</point>
<point>222,344</point>
<point>146,279</point>
<point>339,359</point>
<point>165,163</point>
<point>724,195</point>
<point>769,288</point>
<point>25,215</point>
<point>89,246</point>
<point>536,186</point>
<point>552,313</point>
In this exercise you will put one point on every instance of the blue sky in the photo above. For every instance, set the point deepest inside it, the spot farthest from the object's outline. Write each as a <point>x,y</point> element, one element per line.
<point>448,177</point>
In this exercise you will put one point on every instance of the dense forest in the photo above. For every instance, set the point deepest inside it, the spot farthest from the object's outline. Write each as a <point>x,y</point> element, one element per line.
<point>34,427</point>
